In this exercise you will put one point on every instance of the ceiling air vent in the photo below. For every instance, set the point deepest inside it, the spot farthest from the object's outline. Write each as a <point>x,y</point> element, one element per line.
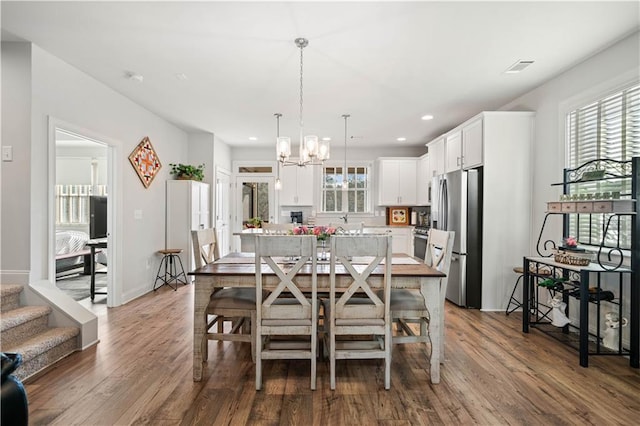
<point>518,66</point>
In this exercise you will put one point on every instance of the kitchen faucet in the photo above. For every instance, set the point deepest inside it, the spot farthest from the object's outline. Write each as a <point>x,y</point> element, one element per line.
<point>345,217</point>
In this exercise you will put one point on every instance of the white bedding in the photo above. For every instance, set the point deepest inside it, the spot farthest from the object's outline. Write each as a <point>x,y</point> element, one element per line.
<point>70,241</point>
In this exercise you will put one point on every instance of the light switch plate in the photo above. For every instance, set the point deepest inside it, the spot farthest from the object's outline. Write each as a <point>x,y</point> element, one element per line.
<point>7,153</point>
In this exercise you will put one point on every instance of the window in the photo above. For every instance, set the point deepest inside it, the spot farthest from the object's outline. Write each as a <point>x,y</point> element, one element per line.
<point>357,195</point>
<point>607,128</point>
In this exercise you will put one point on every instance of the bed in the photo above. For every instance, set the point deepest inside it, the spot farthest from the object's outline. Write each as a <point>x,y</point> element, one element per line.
<point>71,252</point>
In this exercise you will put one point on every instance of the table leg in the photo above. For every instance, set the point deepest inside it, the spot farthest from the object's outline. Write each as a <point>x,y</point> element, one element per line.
<point>93,273</point>
<point>203,290</point>
<point>434,302</point>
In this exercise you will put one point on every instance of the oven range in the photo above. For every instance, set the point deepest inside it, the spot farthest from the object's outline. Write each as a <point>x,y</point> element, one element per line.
<point>420,234</point>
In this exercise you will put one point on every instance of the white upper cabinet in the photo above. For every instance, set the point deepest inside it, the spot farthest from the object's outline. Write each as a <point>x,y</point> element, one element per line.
<point>453,149</point>
<point>297,186</point>
<point>472,144</point>
<point>423,181</point>
<point>396,181</point>
<point>436,157</point>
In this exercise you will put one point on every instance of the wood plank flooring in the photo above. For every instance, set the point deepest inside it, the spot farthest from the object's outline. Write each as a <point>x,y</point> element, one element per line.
<point>140,373</point>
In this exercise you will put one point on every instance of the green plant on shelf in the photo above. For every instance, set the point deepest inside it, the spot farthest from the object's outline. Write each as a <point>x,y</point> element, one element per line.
<point>187,171</point>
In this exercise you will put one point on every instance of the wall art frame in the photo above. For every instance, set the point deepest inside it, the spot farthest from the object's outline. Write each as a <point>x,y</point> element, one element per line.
<point>145,161</point>
<point>398,216</point>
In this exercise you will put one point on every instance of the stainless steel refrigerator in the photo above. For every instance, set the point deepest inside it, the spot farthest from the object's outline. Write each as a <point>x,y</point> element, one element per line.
<point>458,206</point>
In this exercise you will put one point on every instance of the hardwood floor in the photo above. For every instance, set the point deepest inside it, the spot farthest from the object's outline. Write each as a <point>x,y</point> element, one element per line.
<point>140,373</point>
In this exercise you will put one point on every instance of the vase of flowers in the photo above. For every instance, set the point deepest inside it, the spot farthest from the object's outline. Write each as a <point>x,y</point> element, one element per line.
<point>322,233</point>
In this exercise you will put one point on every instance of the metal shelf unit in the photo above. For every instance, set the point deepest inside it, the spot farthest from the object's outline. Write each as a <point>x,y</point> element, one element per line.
<point>576,280</point>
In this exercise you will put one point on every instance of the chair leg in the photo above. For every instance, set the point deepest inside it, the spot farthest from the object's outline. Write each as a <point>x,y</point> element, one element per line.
<point>387,358</point>
<point>258,346</point>
<point>314,353</point>
<point>253,336</point>
<point>512,299</point>
<point>332,357</point>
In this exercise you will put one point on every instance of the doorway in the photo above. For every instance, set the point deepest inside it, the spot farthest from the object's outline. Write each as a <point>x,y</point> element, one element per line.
<point>223,212</point>
<point>81,216</point>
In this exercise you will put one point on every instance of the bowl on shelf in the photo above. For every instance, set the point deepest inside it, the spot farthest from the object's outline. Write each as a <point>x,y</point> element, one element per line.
<point>575,258</point>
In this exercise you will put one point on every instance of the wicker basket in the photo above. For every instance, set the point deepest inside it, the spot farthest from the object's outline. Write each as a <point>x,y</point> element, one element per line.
<point>575,259</point>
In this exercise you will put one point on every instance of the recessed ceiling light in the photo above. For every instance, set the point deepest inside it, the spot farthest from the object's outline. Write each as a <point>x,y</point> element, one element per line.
<point>518,67</point>
<point>401,139</point>
<point>181,76</point>
<point>427,117</point>
<point>253,138</point>
<point>326,138</point>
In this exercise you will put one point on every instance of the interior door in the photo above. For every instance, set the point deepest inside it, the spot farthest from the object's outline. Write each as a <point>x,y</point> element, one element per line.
<point>223,212</point>
<point>255,198</point>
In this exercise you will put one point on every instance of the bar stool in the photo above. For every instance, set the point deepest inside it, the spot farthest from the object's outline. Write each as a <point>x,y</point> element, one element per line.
<point>171,275</point>
<point>512,300</point>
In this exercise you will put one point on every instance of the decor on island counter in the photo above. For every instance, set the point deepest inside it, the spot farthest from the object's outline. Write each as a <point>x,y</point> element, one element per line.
<point>398,215</point>
<point>254,222</point>
<point>322,233</point>
<point>145,161</point>
<point>312,151</point>
<point>187,171</point>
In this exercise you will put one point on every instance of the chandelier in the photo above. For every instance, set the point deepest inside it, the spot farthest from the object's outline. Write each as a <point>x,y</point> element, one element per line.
<point>312,151</point>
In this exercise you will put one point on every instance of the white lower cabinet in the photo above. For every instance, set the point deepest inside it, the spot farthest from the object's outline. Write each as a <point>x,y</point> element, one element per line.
<point>402,237</point>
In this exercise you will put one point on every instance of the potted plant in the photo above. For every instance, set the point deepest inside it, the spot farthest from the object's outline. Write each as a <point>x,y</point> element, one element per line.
<point>187,171</point>
<point>254,222</point>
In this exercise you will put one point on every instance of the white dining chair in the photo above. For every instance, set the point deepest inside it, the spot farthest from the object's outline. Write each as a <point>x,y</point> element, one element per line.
<point>286,320</point>
<point>234,306</point>
<point>358,321</point>
<point>408,306</point>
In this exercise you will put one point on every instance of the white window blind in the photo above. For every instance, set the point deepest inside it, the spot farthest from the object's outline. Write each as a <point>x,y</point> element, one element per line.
<point>608,128</point>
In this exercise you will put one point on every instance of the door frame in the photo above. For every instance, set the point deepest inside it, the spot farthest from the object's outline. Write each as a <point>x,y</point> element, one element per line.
<point>114,231</point>
<point>220,203</point>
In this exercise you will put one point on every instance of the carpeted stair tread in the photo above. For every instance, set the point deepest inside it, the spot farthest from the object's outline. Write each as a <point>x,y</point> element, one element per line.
<point>16,317</point>
<point>45,349</point>
<point>10,295</point>
<point>43,342</point>
<point>8,289</point>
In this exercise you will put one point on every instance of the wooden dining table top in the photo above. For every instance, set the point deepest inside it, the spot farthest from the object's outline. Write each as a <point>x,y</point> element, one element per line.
<point>402,265</point>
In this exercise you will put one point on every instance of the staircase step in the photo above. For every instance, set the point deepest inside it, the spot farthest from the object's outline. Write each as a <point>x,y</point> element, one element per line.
<point>20,324</point>
<point>44,349</point>
<point>10,295</point>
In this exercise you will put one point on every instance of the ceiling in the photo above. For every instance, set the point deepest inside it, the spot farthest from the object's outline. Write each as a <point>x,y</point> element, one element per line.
<point>385,63</point>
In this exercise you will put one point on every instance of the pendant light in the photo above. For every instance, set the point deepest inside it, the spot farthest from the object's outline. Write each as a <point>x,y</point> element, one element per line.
<point>311,151</point>
<point>345,175</point>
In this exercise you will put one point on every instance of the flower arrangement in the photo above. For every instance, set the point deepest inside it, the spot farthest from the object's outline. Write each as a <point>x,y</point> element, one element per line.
<point>571,242</point>
<point>321,232</point>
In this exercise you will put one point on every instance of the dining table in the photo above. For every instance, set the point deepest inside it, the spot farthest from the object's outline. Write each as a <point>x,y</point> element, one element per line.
<point>238,270</point>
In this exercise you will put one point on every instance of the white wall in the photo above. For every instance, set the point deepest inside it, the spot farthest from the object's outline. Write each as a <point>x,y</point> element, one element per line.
<point>66,94</point>
<point>592,78</point>
<point>16,175</point>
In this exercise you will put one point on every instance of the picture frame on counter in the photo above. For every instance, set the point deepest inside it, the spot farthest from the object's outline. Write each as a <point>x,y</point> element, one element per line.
<point>398,216</point>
